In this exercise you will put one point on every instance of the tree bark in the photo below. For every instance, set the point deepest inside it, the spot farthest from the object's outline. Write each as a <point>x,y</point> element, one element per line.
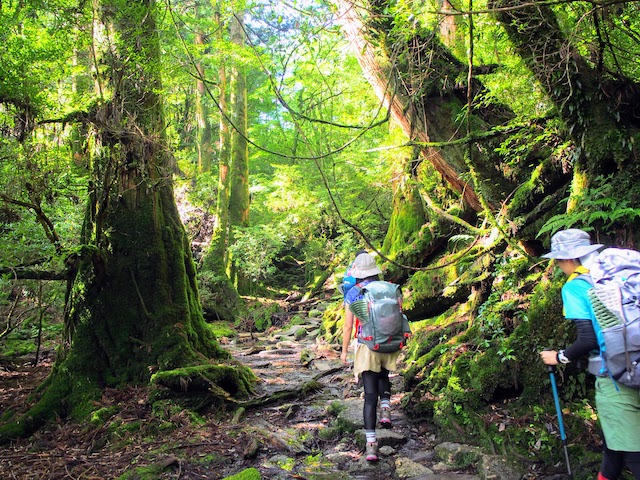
<point>411,77</point>
<point>239,172</point>
<point>215,258</point>
<point>205,134</point>
<point>600,112</point>
<point>416,76</point>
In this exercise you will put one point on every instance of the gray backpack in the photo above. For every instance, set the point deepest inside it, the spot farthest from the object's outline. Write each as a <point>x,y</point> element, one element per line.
<point>384,328</point>
<point>615,297</point>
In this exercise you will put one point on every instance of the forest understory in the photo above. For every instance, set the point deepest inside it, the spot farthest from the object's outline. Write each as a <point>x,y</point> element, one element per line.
<point>307,427</point>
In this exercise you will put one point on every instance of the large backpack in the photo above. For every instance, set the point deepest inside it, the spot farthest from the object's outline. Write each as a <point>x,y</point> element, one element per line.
<point>615,297</point>
<point>383,326</point>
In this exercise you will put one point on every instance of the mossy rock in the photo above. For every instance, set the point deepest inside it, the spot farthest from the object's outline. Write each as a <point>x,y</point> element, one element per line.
<point>151,472</point>
<point>457,455</point>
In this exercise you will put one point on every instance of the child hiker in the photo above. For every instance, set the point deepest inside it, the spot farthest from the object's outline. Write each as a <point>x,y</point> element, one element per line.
<point>374,367</point>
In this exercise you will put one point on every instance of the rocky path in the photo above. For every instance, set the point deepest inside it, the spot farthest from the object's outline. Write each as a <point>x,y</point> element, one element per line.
<point>322,436</point>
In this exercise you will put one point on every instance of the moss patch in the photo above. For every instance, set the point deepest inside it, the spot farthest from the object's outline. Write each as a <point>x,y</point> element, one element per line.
<point>248,474</point>
<point>226,381</point>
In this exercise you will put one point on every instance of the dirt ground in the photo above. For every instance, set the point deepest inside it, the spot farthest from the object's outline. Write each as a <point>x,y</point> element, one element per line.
<point>71,451</point>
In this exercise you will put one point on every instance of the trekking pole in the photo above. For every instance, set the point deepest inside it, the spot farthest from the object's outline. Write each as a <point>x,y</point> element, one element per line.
<point>556,399</point>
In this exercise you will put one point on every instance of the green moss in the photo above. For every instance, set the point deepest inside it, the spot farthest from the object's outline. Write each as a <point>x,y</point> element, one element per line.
<point>222,329</point>
<point>123,429</point>
<point>333,321</point>
<point>329,433</point>
<point>335,407</point>
<point>406,220</point>
<point>152,472</point>
<point>248,474</point>
<point>223,380</point>
<point>100,416</point>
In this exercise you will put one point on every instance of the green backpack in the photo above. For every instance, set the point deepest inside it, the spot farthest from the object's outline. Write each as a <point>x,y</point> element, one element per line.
<point>384,328</point>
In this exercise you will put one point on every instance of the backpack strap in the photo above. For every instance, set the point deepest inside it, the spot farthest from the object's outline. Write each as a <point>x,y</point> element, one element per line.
<point>581,272</point>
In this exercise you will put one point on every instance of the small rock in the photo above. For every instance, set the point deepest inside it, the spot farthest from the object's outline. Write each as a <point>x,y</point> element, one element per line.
<point>406,468</point>
<point>339,457</point>
<point>387,450</point>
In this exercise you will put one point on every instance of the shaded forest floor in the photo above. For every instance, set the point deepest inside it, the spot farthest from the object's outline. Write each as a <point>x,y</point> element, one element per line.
<point>312,431</point>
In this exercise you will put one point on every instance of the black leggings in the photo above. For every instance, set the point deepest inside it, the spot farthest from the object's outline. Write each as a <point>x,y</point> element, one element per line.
<point>375,385</point>
<point>614,461</point>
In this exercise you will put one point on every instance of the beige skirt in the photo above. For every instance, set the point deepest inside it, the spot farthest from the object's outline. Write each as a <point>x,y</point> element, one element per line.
<point>367,360</point>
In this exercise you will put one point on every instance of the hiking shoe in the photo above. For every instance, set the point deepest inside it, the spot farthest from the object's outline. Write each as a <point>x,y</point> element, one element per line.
<point>372,451</point>
<point>385,417</point>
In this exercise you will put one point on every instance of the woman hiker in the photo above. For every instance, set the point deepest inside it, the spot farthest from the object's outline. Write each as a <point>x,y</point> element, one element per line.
<point>374,367</point>
<point>618,406</point>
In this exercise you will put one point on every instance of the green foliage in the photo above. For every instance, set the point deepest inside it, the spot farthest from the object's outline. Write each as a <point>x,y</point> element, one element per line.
<point>219,299</point>
<point>609,204</point>
<point>222,329</point>
<point>100,416</point>
<point>259,316</point>
<point>33,315</point>
<point>255,249</point>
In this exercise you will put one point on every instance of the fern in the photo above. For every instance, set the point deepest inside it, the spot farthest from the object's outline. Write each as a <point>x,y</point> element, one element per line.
<point>600,208</point>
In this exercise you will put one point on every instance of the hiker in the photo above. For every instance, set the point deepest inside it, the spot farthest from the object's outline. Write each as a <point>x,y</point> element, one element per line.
<point>617,405</point>
<point>373,367</point>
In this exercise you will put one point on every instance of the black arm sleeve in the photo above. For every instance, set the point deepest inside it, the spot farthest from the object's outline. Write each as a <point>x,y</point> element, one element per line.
<point>585,342</point>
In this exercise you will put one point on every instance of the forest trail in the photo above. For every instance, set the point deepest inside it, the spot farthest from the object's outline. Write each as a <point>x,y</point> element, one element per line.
<point>292,432</point>
<point>313,431</point>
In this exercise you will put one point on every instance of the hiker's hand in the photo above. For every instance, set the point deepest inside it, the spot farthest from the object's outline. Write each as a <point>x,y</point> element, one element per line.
<point>549,357</point>
<point>343,357</point>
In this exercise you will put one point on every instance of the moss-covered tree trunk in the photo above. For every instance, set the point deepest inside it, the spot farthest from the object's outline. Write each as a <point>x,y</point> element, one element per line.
<point>133,307</point>
<point>220,299</point>
<point>598,108</point>
<point>432,96</point>
<point>205,133</point>
<point>596,101</point>
<point>216,256</point>
<point>413,77</point>
<point>239,173</point>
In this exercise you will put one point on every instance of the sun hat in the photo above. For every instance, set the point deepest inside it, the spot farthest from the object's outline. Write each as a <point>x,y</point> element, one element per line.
<point>364,266</point>
<point>571,244</point>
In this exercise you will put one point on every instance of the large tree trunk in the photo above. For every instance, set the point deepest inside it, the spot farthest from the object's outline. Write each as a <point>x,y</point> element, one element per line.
<point>215,258</point>
<point>596,100</point>
<point>413,79</point>
<point>239,173</point>
<point>413,73</point>
<point>133,306</point>
<point>598,110</point>
<point>205,134</point>
<point>221,299</point>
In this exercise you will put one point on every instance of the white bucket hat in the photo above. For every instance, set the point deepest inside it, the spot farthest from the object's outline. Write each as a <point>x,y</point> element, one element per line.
<point>364,266</point>
<point>571,244</point>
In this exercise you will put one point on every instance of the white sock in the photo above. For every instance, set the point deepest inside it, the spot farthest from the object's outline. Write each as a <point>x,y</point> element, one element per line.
<point>385,403</point>
<point>371,435</point>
